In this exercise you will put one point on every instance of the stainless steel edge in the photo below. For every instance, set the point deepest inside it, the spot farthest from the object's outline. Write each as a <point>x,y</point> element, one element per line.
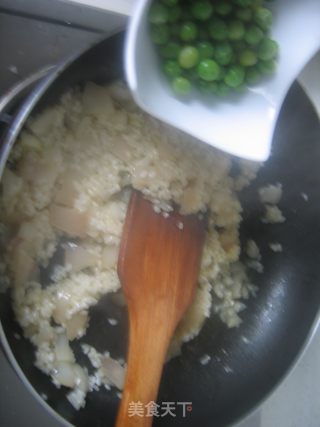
<point>8,141</point>
<point>299,356</point>
<point>10,96</point>
<point>16,368</point>
<point>30,102</point>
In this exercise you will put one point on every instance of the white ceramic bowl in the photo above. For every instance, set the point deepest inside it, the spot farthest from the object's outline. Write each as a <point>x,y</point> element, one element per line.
<point>242,124</point>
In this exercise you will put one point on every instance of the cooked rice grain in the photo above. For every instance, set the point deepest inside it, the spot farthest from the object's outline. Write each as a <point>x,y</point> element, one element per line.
<point>69,188</point>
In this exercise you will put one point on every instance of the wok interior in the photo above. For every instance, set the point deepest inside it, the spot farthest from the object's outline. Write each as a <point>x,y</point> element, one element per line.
<point>246,362</point>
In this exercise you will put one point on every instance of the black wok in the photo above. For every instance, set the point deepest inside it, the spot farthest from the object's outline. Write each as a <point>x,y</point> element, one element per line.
<point>247,363</point>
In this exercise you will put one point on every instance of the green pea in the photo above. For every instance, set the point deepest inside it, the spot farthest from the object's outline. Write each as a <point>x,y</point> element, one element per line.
<point>218,29</point>
<point>268,49</point>
<point>267,67</point>
<point>201,10</point>
<point>223,7</point>
<point>174,14</point>
<point>236,30</point>
<point>234,76</point>
<point>170,50</point>
<point>239,52</point>
<point>188,57</point>
<point>244,14</point>
<point>208,70</point>
<point>158,14</point>
<point>253,35</point>
<point>181,86</point>
<point>263,17</point>
<point>223,53</point>
<point>205,50</point>
<point>252,75</point>
<point>247,58</point>
<point>188,31</point>
<point>159,34</point>
<point>172,68</point>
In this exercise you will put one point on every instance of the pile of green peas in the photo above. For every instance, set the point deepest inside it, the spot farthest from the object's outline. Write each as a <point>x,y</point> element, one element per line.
<point>216,46</point>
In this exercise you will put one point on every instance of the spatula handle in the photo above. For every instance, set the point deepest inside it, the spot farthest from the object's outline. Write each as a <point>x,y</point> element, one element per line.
<point>144,367</point>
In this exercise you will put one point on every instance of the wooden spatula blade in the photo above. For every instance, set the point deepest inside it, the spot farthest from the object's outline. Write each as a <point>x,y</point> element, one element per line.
<point>158,251</point>
<point>158,267</point>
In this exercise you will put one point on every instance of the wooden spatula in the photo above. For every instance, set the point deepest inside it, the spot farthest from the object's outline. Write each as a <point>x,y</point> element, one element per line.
<point>158,267</point>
